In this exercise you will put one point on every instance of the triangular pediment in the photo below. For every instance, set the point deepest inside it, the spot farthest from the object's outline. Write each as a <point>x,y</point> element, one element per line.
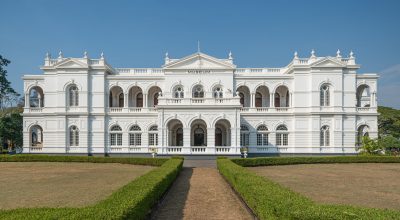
<point>199,61</point>
<point>71,63</point>
<point>328,62</point>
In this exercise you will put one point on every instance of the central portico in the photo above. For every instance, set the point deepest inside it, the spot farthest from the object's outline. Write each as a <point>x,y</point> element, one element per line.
<point>200,115</point>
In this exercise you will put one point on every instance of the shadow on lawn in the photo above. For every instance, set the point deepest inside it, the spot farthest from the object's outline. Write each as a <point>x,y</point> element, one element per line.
<point>174,202</point>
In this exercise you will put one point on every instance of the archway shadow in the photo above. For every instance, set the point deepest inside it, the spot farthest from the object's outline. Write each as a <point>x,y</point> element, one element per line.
<point>173,204</point>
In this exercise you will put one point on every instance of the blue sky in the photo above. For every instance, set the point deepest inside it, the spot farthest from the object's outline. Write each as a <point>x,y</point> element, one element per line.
<point>259,33</point>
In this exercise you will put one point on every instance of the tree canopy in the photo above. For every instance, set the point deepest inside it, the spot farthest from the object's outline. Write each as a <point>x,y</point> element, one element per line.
<point>389,122</point>
<point>8,96</point>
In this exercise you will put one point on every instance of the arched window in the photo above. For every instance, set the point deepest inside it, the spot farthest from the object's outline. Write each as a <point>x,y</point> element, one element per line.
<point>218,92</point>
<point>139,100</point>
<point>155,99</point>
<point>73,136</point>
<point>282,135</point>
<point>178,92</point>
<point>116,136</point>
<point>73,96</point>
<point>258,100</point>
<point>262,135</point>
<point>36,136</point>
<point>363,96</point>
<point>324,95</point>
<point>277,100</point>
<point>244,136</point>
<point>362,131</point>
<point>121,100</point>
<point>135,136</point>
<point>324,136</point>
<point>241,95</point>
<point>198,92</point>
<point>36,97</point>
<point>153,136</point>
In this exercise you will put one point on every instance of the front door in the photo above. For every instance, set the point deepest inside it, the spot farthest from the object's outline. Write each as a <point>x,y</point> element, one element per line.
<point>218,137</point>
<point>199,137</point>
<point>179,137</point>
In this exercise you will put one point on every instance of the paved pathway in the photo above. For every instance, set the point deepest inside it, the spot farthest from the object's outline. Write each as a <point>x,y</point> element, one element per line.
<point>200,192</point>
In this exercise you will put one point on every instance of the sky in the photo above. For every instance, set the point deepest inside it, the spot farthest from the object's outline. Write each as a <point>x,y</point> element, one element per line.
<point>259,33</point>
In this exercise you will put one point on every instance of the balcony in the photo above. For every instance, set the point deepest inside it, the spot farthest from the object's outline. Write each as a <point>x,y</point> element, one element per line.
<point>265,110</point>
<point>34,110</point>
<point>218,150</point>
<point>199,101</point>
<point>366,109</point>
<point>120,110</point>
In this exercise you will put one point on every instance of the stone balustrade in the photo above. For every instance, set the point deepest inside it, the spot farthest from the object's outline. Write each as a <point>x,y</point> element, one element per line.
<point>199,101</point>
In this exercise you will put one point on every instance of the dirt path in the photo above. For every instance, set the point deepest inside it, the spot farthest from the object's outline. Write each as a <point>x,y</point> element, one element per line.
<point>201,193</point>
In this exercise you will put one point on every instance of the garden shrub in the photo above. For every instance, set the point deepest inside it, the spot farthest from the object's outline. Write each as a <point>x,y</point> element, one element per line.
<point>268,161</point>
<point>54,158</point>
<point>132,201</point>
<point>270,200</point>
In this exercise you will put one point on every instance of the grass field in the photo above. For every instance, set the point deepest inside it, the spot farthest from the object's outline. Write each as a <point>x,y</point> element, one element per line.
<point>59,184</point>
<point>375,185</point>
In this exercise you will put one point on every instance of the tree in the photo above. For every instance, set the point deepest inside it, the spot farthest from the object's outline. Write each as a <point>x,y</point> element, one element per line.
<point>8,96</point>
<point>370,146</point>
<point>389,122</point>
<point>11,128</point>
<point>390,144</point>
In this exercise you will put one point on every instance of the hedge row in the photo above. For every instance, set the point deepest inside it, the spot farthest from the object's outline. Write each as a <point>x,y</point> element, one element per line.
<point>268,161</point>
<point>132,201</point>
<point>53,158</point>
<point>269,200</point>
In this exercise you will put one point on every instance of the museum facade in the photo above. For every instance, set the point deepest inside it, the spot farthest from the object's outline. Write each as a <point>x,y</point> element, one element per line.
<point>199,105</point>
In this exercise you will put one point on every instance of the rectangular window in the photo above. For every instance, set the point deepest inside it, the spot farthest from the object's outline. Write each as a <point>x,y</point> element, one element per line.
<point>119,139</point>
<point>244,139</point>
<point>113,139</point>
<point>327,138</point>
<point>285,139</point>
<point>259,139</point>
<point>278,139</point>
<point>153,139</point>
<point>138,139</point>
<point>321,138</point>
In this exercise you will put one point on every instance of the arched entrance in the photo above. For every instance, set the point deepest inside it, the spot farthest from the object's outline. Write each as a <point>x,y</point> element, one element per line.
<point>223,133</point>
<point>199,133</point>
<point>175,133</point>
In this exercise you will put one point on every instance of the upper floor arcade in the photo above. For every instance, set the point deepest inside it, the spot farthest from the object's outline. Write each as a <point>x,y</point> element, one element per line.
<point>86,85</point>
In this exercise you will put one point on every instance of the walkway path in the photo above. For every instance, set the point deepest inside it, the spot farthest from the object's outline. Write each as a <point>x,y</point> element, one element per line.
<point>200,192</point>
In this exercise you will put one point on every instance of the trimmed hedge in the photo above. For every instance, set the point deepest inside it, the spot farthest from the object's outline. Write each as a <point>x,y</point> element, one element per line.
<point>53,158</point>
<point>132,201</point>
<point>268,161</point>
<point>269,200</point>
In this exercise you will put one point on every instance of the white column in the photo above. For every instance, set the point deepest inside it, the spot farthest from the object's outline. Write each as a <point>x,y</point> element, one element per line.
<point>144,100</point>
<point>210,137</point>
<point>186,137</point>
<point>271,100</point>
<point>125,100</point>
<point>252,100</point>
<point>27,104</point>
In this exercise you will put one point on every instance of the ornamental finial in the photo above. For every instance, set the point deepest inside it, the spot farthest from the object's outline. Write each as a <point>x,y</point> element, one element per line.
<point>102,55</point>
<point>85,54</point>
<point>351,54</point>
<point>48,56</point>
<point>295,55</point>
<point>60,54</point>
<point>338,54</point>
<point>230,55</point>
<point>312,53</point>
<point>166,55</point>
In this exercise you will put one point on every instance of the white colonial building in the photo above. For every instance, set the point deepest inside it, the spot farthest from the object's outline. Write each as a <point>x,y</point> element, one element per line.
<point>199,104</point>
